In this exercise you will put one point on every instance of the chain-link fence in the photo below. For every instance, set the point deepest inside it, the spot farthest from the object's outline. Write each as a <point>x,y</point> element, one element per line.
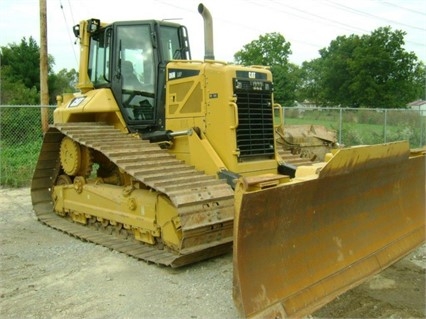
<point>355,126</point>
<point>21,137</point>
<point>21,134</point>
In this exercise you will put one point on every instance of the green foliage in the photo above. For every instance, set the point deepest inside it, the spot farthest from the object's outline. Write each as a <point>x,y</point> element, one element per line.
<point>269,50</point>
<point>272,50</point>
<point>17,163</point>
<point>286,82</point>
<point>62,82</point>
<point>21,138</point>
<point>21,134</point>
<point>310,80</point>
<point>14,92</point>
<point>372,70</point>
<point>19,124</point>
<point>23,61</point>
<point>365,71</point>
<point>20,75</point>
<point>384,74</point>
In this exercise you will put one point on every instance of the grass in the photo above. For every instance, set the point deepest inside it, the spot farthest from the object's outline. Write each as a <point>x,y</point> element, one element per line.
<point>18,163</point>
<point>365,127</point>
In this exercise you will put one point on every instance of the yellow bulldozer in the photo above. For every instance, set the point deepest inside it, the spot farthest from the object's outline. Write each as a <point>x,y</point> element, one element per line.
<point>173,161</point>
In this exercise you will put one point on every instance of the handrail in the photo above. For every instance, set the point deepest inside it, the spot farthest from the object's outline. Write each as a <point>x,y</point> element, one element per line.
<point>234,105</point>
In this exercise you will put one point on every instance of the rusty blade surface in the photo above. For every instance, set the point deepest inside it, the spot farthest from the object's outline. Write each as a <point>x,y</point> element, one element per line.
<point>299,245</point>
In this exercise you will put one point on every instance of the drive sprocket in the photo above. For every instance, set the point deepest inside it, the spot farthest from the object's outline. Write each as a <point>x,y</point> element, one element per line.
<point>76,160</point>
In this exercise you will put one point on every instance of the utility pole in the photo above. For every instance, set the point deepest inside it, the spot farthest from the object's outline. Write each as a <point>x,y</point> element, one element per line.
<point>44,89</point>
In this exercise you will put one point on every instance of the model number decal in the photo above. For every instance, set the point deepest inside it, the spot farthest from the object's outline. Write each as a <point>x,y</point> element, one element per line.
<point>174,74</point>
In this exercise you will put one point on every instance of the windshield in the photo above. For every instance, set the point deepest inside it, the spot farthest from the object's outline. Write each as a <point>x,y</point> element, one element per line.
<point>137,70</point>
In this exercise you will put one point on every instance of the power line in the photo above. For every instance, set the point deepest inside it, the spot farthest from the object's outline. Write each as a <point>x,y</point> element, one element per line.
<point>68,32</point>
<point>335,22</point>
<point>366,14</point>
<point>404,8</point>
<point>290,10</point>
<point>72,16</point>
<point>306,15</point>
<point>362,13</point>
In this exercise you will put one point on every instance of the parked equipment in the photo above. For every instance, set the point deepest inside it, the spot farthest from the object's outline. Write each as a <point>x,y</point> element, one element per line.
<point>171,160</point>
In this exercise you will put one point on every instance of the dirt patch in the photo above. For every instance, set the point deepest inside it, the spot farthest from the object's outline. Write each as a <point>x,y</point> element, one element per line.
<point>48,274</point>
<point>397,292</point>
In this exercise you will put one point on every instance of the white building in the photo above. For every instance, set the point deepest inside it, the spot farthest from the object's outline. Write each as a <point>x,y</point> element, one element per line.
<point>419,105</point>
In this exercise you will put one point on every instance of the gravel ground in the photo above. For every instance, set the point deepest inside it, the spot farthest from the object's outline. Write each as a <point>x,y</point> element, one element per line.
<point>48,274</point>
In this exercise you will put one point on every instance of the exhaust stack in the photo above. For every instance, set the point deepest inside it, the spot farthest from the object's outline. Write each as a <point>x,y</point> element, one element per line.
<point>208,32</point>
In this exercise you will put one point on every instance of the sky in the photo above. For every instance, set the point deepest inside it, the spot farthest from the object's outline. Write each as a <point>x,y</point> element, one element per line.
<point>309,25</point>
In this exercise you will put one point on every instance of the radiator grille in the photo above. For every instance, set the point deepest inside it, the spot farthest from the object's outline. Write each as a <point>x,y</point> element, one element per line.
<point>255,132</point>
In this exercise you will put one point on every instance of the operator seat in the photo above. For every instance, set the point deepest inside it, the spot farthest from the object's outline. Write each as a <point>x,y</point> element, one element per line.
<point>130,80</point>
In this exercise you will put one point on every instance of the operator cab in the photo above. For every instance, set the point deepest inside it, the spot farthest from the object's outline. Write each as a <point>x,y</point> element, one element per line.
<point>130,58</point>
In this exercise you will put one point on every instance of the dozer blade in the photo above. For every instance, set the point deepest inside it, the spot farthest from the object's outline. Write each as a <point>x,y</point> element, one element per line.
<point>300,244</point>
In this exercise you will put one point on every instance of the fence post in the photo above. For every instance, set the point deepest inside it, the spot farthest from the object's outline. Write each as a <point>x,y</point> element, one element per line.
<point>283,123</point>
<point>385,126</point>
<point>422,128</point>
<point>340,125</point>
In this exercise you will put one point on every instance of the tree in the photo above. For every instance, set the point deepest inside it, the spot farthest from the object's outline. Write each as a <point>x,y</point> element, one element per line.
<point>23,61</point>
<point>20,74</point>
<point>334,71</point>
<point>286,82</point>
<point>14,92</point>
<point>366,71</point>
<point>62,82</point>
<point>385,74</point>
<point>310,82</point>
<point>272,50</point>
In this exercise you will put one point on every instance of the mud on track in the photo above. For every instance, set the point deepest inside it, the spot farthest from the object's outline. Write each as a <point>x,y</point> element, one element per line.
<point>48,274</point>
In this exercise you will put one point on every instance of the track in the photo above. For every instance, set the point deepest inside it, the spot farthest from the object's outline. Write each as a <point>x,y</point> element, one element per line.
<point>188,189</point>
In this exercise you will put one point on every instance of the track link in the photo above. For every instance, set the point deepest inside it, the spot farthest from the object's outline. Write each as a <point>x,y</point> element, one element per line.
<point>191,191</point>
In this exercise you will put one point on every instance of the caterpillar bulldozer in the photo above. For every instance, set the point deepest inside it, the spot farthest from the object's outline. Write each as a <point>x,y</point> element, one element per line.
<point>173,161</point>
